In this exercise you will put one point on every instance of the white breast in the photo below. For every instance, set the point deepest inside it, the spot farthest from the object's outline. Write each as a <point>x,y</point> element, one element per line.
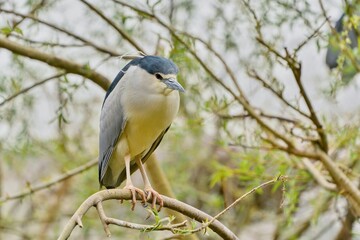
<point>150,108</point>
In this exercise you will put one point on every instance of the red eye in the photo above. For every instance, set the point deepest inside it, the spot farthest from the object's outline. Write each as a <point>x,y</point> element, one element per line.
<point>158,76</point>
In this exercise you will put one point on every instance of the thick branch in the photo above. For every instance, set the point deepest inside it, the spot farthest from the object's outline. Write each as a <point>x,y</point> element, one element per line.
<point>347,187</point>
<point>124,194</point>
<point>320,179</point>
<point>52,60</point>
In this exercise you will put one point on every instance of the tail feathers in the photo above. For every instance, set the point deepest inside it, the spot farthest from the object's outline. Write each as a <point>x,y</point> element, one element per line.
<point>108,180</point>
<point>107,187</point>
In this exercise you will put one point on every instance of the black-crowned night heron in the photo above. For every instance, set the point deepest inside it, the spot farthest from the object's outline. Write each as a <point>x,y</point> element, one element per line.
<point>138,109</point>
<point>333,50</point>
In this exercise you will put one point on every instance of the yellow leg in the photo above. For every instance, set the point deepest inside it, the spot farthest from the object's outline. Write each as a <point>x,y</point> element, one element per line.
<point>129,185</point>
<point>151,193</point>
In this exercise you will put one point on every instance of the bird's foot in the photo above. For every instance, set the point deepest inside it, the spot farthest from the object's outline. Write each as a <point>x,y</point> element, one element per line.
<point>155,196</point>
<point>133,191</point>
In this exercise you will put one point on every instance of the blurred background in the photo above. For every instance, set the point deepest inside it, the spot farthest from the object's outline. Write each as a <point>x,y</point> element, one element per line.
<point>252,70</point>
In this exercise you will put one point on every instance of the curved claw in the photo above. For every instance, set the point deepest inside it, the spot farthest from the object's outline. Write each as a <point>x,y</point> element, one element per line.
<point>133,191</point>
<point>156,197</point>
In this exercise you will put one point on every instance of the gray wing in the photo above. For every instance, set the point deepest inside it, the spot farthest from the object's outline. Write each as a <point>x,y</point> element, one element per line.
<point>112,124</point>
<point>134,166</point>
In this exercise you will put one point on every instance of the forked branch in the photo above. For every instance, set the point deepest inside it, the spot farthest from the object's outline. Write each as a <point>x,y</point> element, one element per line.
<point>207,221</point>
<point>96,200</point>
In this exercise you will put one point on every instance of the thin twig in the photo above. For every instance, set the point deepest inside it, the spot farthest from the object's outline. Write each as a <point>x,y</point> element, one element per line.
<point>42,186</point>
<point>271,49</point>
<point>45,43</point>
<point>142,227</point>
<point>252,73</point>
<point>31,87</point>
<point>313,116</point>
<point>67,32</point>
<point>207,224</point>
<point>113,24</point>
<point>315,33</point>
<point>219,57</point>
<point>262,148</point>
<point>32,12</point>
<point>246,115</point>
<point>255,17</point>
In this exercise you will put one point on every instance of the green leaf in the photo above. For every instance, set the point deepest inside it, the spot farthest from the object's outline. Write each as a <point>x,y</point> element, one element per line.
<point>18,30</point>
<point>6,30</point>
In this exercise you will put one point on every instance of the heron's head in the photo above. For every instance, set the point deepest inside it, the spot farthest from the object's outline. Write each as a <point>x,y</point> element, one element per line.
<point>160,73</point>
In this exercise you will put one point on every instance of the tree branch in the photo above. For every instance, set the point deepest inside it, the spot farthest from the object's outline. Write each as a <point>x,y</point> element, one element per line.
<point>124,194</point>
<point>296,70</point>
<point>262,114</point>
<point>252,73</point>
<point>145,228</point>
<point>347,187</point>
<point>320,129</point>
<point>62,30</point>
<point>31,87</point>
<point>279,178</point>
<point>316,174</point>
<point>295,67</point>
<point>113,24</point>
<point>52,60</point>
<point>46,43</point>
<point>240,98</point>
<point>311,36</point>
<point>46,185</point>
<point>344,185</point>
<point>33,11</point>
